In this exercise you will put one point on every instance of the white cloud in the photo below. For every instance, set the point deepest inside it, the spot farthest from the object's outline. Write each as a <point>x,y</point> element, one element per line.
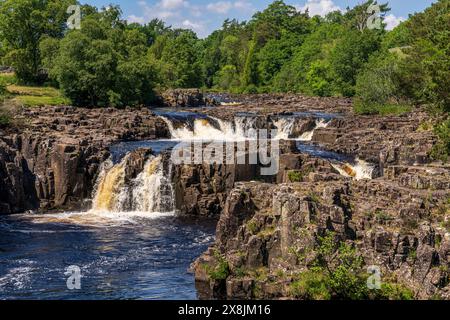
<point>319,7</point>
<point>172,4</point>
<point>223,7</point>
<point>220,7</point>
<point>392,21</point>
<point>135,19</point>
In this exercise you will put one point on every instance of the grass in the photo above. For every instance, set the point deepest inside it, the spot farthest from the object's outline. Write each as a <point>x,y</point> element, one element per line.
<point>383,110</point>
<point>7,79</point>
<point>30,96</point>
<point>31,101</point>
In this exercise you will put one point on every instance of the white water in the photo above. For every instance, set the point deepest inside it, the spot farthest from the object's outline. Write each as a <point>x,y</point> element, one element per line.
<point>284,127</point>
<point>360,171</point>
<point>307,136</point>
<point>241,129</point>
<point>150,192</point>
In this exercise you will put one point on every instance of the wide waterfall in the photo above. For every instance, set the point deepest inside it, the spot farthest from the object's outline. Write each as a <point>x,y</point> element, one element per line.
<point>241,128</point>
<point>214,129</point>
<point>151,191</point>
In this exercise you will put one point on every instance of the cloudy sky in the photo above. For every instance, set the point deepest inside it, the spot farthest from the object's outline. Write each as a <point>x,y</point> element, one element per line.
<point>204,16</point>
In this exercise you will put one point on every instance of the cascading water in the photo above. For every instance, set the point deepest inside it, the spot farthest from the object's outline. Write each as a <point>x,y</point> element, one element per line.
<point>203,129</point>
<point>359,171</point>
<point>284,127</point>
<point>307,136</point>
<point>151,191</point>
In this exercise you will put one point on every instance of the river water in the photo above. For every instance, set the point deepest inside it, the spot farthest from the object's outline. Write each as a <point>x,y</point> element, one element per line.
<point>122,255</point>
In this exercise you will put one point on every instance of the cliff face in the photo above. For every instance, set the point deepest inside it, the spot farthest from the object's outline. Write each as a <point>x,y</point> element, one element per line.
<point>268,236</point>
<point>52,163</point>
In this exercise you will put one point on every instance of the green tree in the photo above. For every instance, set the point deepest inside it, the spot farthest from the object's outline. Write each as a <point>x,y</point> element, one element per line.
<point>23,23</point>
<point>181,55</point>
<point>103,63</point>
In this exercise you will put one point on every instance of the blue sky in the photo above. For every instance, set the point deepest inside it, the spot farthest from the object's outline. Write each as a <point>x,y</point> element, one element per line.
<point>204,16</point>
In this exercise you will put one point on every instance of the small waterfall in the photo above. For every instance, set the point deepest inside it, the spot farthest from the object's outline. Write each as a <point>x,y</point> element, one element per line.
<point>307,136</point>
<point>284,127</point>
<point>360,171</point>
<point>151,191</point>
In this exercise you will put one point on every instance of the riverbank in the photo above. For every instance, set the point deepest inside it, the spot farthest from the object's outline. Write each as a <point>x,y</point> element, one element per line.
<point>369,181</point>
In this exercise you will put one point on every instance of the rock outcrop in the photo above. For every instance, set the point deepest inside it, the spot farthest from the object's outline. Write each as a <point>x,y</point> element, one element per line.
<point>53,161</point>
<point>266,242</point>
<point>184,98</point>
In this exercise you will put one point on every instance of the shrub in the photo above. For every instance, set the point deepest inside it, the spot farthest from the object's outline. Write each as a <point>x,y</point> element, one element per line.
<point>221,269</point>
<point>295,176</point>
<point>5,120</point>
<point>441,150</point>
<point>378,87</point>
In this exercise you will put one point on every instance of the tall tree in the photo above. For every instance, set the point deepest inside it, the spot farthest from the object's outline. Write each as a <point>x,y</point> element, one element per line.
<point>23,23</point>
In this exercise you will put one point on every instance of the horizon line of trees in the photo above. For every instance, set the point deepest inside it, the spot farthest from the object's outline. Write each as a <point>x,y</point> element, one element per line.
<point>110,62</point>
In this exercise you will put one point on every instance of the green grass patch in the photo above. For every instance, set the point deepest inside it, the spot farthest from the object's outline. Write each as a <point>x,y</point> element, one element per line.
<point>32,101</point>
<point>295,176</point>
<point>7,79</point>
<point>383,110</point>
<point>34,91</point>
<point>30,96</point>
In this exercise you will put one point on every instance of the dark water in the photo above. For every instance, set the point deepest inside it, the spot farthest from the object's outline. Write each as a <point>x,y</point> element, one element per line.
<point>123,257</point>
<point>119,150</point>
<point>320,152</point>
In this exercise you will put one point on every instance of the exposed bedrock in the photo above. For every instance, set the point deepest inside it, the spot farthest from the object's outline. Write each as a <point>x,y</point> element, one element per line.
<point>267,236</point>
<point>185,98</point>
<point>53,162</point>
<point>392,140</point>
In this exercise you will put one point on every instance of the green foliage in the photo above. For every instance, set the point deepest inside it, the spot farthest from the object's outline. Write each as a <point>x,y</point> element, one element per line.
<point>311,285</point>
<point>337,273</point>
<point>102,64</point>
<point>179,56</point>
<point>221,269</point>
<point>110,62</point>
<point>427,66</point>
<point>441,151</point>
<point>22,25</point>
<point>295,176</point>
<point>5,119</point>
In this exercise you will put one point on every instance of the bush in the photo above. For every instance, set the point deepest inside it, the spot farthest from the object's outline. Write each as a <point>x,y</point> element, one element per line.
<point>441,150</point>
<point>221,270</point>
<point>295,176</point>
<point>378,87</point>
<point>338,273</point>
<point>311,286</point>
<point>5,120</point>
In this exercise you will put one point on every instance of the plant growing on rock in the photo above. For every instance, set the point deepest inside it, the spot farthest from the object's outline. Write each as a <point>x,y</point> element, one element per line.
<point>338,273</point>
<point>221,269</point>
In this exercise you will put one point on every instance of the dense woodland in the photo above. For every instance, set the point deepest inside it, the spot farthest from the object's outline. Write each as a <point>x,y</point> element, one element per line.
<point>110,62</point>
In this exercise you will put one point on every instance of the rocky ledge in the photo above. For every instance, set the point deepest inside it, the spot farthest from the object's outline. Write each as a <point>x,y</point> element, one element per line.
<point>267,246</point>
<point>52,160</point>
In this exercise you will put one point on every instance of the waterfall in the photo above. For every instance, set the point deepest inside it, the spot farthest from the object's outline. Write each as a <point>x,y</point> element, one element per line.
<point>361,170</point>
<point>307,136</point>
<point>110,183</point>
<point>284,127</point>
<point>243,127</point>
<point>151,191</point>
<point>203,129</point>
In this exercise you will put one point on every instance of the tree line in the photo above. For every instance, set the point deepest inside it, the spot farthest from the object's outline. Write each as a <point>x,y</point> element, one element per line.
<point>111,62</point>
